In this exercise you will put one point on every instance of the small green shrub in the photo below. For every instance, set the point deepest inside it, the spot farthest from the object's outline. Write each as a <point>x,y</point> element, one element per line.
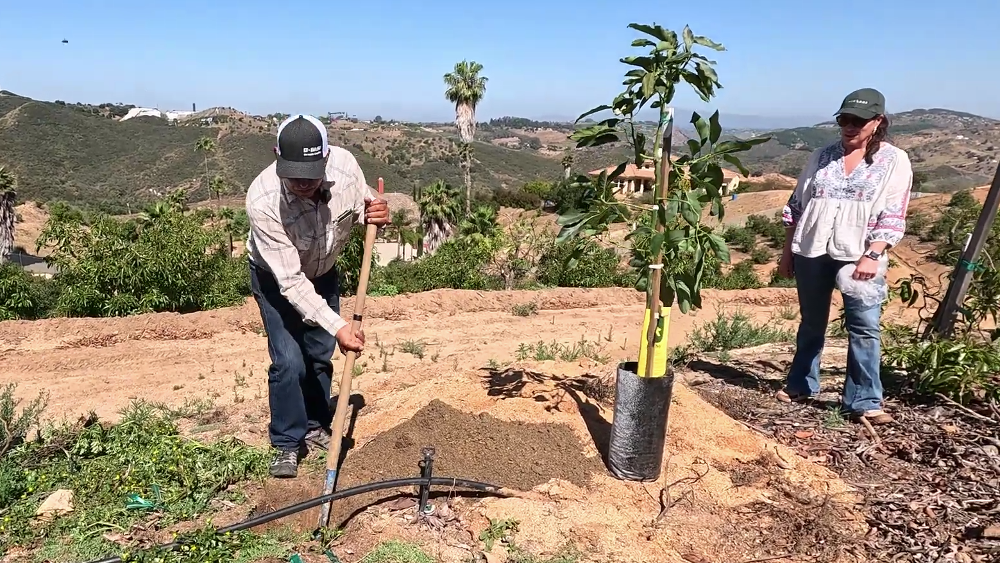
<point>164,261</point>
<point>731,332</point>
<point>457,264</point>
<point>760,255</point>
<point>741,276</point>
<point>595,267</point>
<point>740,238</point>
<point>772,230</point>
<point>24,296</point>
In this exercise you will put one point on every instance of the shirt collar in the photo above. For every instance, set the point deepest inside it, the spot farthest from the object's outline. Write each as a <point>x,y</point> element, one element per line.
<point>324,193</point>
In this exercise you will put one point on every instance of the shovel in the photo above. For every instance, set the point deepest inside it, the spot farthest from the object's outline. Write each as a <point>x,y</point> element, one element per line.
<point>340,415</point>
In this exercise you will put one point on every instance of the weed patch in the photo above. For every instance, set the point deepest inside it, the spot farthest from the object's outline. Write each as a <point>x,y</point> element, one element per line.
<point>395,551</point>
<point>734,332</point>
<point>139,474</point>
<point>541,351</point>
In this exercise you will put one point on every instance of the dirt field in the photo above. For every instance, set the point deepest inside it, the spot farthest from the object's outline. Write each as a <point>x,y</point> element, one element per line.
<point>428,379</point>
<point>458,370</point>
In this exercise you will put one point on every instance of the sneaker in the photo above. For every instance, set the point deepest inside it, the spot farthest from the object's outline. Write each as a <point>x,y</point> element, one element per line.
<point>285,464</point>
<point>319,439</point>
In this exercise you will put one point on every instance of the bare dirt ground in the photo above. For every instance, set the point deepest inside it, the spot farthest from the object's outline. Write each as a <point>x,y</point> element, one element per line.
<point>450,369</point>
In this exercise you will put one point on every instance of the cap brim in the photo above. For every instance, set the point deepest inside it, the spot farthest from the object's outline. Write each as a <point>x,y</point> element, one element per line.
<point>311,170</point>
<point>858,112</point>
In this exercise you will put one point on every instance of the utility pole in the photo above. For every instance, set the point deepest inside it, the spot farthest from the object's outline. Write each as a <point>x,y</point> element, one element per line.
<point>944,318</point>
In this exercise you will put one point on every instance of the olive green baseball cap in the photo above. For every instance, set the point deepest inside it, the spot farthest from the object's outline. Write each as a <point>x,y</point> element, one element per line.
<point>865,103</point>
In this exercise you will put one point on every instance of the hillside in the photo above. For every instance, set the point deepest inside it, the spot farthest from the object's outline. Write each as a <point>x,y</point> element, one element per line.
<point>88,156</point>
<point>950,150</point>
<point>92,159</point>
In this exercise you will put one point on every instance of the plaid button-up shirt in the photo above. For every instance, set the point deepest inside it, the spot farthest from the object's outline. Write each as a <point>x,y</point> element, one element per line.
<point>298,240</point>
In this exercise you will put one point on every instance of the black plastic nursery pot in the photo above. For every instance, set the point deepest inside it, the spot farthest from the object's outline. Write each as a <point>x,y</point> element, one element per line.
<point>639,426</point>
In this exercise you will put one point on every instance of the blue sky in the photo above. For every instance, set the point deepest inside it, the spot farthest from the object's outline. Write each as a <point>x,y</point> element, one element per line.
<point>544,58</point>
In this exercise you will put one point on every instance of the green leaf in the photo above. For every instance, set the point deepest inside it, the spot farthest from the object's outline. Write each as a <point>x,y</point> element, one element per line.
<point>666,46</point>
<point>706,42</point>
<point>735,161</point>
<point>643,43</point>
<point>671,210</point>
<point>674,238</point>
<point>715,129</point>
<point>645,63</point>
<point>708,74</point>
<point>683,295</point>
<point>592,112</point>
<point>640,145</point>
<point>702,127</point>
<point>618,171</point>
<point>594,136</point>
<point>656,243</point>
<point>693,203</point>
<point>738,146</point>
<point>667,292</point>
<point>648,84</point>
<point>656,31</point>
<point>690,215</point>
<point>694,147</point>
<point>688,38</point>
<point>570,217</point>
<point>719,247</point>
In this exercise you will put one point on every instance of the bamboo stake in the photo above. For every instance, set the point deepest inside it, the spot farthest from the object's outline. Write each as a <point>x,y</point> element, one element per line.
<point>344,395</point>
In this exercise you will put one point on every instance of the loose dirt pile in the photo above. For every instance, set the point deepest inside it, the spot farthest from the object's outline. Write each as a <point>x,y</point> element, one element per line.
<point>517,455</point>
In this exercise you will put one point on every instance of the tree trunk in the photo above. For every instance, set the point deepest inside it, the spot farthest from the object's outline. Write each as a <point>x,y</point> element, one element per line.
<point>6,224</point>
<point>468,180</point>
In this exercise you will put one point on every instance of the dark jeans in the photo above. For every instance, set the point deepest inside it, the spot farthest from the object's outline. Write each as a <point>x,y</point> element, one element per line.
<point>299,378</point>
<point>816,279</point>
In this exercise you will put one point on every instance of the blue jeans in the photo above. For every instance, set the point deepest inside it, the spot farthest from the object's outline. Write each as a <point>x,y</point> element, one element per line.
<point>298,380</point>
<point>815,279</point>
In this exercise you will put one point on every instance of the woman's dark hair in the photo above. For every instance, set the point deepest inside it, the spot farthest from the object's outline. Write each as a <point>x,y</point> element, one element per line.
<point>881,133</point>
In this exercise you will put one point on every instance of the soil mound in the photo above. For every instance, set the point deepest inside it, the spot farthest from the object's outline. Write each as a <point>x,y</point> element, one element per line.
<point>480,447</point>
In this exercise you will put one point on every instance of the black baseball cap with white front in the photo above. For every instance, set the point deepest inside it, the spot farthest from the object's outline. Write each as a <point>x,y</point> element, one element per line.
<point>302,148</point>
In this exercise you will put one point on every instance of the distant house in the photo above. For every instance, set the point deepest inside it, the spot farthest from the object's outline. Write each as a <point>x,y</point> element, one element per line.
<point>390,249</point>
<point>34,265</point>
<point>637,180</point>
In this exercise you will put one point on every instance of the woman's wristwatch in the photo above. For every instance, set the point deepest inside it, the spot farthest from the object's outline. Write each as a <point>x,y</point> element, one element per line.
<point>873,255</point>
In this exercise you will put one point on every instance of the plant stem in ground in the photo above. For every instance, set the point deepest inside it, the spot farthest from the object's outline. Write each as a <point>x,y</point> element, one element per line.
<point>653,303</point>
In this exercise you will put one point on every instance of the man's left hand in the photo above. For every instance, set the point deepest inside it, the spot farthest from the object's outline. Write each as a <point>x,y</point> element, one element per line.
<point>865,269</point>
<point>376,212</point>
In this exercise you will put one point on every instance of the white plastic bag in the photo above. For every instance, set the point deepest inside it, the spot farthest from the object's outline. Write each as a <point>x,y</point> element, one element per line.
<point>869,292</point>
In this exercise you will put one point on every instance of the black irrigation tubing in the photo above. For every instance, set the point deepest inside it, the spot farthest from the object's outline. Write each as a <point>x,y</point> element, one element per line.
<point>353,491</point>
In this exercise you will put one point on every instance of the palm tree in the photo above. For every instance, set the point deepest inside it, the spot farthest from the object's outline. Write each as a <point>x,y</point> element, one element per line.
<point>466,89</point>
<point>438,213</point>
<point>480,225</point>
<point>154,212</point>
<point>227,214</point>
<point>205,145</point>
<point>7,214</point>
<point>567,164</point>
<point>217,186</point>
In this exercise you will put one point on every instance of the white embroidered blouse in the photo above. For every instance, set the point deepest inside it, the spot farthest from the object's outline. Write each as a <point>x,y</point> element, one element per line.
<point>841,214</point>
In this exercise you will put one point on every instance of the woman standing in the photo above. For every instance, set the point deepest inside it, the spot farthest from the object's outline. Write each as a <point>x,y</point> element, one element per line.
<point>848,207</point>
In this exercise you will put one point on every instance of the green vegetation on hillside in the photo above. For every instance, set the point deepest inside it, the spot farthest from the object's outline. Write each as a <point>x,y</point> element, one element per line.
<point>951,150</point>
<point>111,266</point>
<point>59,152</point>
